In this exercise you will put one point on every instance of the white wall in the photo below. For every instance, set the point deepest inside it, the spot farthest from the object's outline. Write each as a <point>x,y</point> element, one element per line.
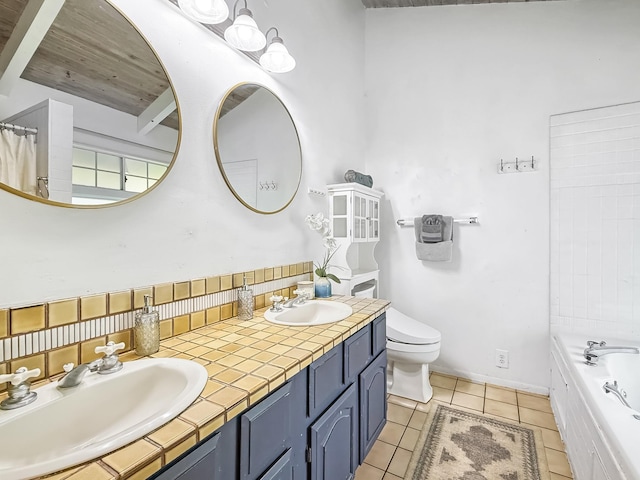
<point>595,222</point>
<point>191,225</point>
<point>450,91</point>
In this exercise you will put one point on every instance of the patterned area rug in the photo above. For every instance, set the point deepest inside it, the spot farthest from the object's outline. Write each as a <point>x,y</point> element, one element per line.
<point>459,445</point>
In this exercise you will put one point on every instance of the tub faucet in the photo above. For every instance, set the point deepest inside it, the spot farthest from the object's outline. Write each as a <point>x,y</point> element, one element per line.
<point>104,366</point>
<point>596,350</point>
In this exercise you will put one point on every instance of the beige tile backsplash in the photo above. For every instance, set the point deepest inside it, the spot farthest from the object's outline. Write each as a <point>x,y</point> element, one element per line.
<point>50,334</point>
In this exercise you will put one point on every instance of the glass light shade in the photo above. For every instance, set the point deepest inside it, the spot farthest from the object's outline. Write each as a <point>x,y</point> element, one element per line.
<point>277,58</point>
<point>205,11</point>
<point>244,34</point>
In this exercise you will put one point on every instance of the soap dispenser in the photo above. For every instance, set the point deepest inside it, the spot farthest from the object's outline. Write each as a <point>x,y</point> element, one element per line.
<point>245,301</point>
<point>146,330</point>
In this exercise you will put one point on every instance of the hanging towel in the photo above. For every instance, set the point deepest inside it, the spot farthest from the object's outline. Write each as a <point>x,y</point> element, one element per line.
<point>432,229</point>
<point>439,251</point>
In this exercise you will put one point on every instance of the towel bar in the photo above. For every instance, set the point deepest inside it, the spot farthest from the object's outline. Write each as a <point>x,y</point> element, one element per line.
<point>408,222</point>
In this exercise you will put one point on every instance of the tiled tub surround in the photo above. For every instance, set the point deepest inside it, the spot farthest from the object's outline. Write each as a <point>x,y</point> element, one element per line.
<point>48,335</point>
<point>595,221</point>
<point>246,360</point>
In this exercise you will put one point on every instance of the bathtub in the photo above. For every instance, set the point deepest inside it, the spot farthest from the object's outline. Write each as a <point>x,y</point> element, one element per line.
<point>601,434</point>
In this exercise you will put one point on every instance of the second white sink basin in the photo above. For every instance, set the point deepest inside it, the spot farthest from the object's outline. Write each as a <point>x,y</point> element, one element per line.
<point>312,312</point>
<point>65,427</point>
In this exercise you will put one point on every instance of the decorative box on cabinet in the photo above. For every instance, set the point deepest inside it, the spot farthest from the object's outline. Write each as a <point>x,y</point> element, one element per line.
<point>354,214</point>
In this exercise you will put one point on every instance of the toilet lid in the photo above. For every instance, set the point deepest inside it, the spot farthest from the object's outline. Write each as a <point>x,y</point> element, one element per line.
<point>401,328</point>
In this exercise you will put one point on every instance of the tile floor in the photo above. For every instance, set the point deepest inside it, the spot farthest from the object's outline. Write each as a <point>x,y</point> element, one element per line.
<point>390,455</point>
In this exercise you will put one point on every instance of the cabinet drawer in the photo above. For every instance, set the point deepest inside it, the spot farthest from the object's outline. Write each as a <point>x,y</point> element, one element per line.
<point>357,353</point>
<point>379,334</point>
<point>265,432</point>
<point>325,380</point>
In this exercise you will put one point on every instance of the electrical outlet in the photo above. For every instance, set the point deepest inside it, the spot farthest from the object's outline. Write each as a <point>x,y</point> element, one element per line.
<point>502,358</point>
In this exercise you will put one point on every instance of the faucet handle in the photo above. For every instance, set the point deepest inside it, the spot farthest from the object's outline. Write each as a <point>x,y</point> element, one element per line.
<point>20,376</point>
<point>591,343</point>
<point>110,348</point>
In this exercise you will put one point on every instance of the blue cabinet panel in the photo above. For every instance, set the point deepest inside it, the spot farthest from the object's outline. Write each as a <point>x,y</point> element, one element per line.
<point>325,381</point>
<point>357,353</point>
<point>334,440</point>
<point>265,432</point>
<point>282,469</point>
<point>373,403</point>
<point>379,334</point>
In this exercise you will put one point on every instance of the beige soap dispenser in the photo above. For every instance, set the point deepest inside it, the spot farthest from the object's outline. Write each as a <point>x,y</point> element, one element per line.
<point>146,330</point>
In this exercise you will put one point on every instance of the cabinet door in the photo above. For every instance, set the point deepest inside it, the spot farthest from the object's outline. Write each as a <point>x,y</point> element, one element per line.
<point>373,217</point>
<point>265,432</point>
<point>281,470</point>
<point>339,214</point>
<point>325,381</point>
<point>334,440</point>
<point>357,353</point>
<point>359,218</point>
<point>203,463</point>
<point>379,334</point>
<point>373,403</point>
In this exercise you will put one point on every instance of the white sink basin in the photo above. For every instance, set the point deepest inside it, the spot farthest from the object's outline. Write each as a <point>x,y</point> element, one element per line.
<point>312,312</point>
<point>65,427</point>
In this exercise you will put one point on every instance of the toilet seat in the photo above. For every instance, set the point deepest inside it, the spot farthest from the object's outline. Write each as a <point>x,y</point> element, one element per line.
<point>402,329</point>
<point>392,345</point>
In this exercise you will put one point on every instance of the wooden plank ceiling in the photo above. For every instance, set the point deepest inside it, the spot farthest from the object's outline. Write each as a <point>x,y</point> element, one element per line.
<point>429,3</point>
<point>92,51</point>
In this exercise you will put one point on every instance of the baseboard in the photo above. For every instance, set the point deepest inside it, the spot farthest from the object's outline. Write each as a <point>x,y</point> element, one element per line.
<point>501,382</point>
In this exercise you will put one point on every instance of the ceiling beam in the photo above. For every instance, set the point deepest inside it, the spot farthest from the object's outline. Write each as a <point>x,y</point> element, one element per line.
<point>33,25</point>
<point>155,113</point>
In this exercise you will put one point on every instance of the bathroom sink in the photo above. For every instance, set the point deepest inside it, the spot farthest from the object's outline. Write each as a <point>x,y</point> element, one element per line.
<point>65,427</point>
<point>312,312</point>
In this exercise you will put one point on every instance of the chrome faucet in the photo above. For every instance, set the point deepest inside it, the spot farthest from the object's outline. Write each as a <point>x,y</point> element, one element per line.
<point>104,366</point>
<point>19,388</point>
<point>596,350</point>
<point>301,298</point>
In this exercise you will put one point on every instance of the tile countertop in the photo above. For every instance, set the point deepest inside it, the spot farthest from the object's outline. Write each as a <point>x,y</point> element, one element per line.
<point>245,360</point>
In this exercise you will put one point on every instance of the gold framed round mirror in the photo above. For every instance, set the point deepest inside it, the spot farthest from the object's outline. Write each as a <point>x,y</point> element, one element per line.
<point>88,115</point>
<point>257,148</point>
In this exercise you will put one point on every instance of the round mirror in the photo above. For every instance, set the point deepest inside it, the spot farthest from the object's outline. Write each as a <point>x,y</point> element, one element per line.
<point>257,148</point>
<point>88,116</point>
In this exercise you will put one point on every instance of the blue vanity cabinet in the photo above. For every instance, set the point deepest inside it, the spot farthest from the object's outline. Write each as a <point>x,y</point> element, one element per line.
<point>373,403</point>
<point>212,459</point>
<point>334,440</point>
<point>319,425</point>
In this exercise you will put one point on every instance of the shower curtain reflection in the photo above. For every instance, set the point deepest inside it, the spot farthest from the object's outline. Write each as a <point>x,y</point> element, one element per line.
<point>18,161</point>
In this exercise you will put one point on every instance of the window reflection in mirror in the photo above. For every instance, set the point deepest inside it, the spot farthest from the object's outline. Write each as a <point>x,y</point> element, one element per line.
<point>257,148</point>
<point>103,107</point>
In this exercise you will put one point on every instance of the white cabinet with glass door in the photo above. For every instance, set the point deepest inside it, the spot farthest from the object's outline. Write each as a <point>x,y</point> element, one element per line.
<point>354,212</point>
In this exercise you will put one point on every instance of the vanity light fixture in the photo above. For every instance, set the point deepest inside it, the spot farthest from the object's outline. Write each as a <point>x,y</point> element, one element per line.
<point>244,34</point>
<point>205,11</point>
<point>276,58</point>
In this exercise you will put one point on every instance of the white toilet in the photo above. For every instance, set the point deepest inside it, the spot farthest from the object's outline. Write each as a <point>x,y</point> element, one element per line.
<point>411,347</point>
